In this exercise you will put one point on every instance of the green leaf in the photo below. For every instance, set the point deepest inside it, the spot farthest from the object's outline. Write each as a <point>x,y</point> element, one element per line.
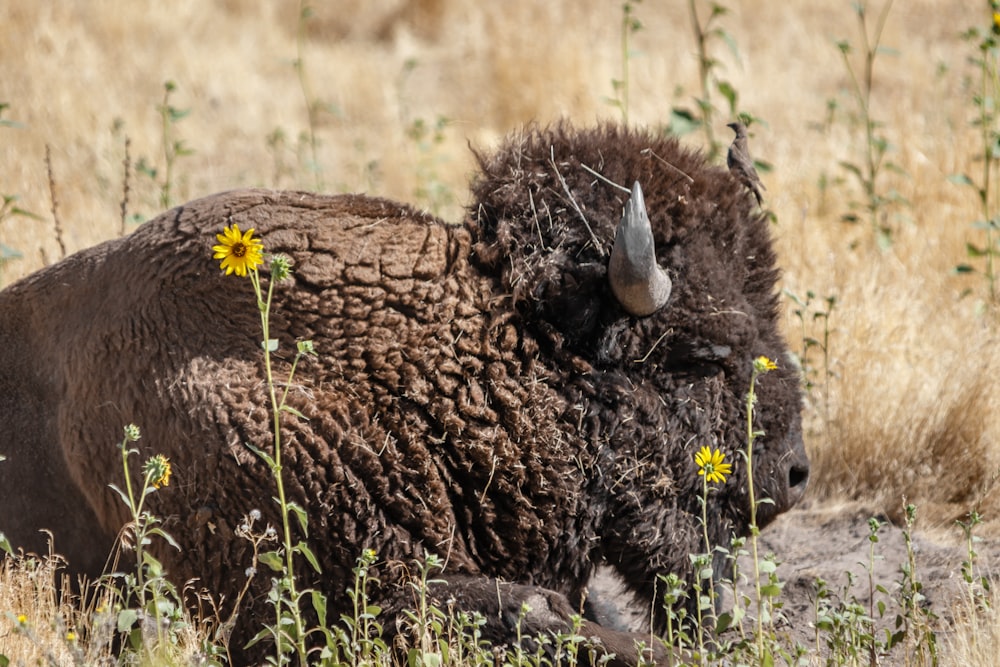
<point>731,43</point>
<point>985,224</point>
<point>127,619</point>
<point>727,91</point>
<point>319,606</point>
<point>273,560</point>
<point>763,166</point>
<point>973,251</point>
<point>683,122</point>
<point>961,179</point>
<point>301,515</point>
<point>304,549</point>
<point>166,537</point>
<point>289,409</point>
<point>268,459</point>
<point>4,660</point>
<point>770,591</point>
<point>853,168</point>
<point>122,494</point>
<point>724,622</point>
<point>271,345</point>
<point>176,114</point>
<point>153,567</point>
<point>5,544</point>
<point>263,634</point>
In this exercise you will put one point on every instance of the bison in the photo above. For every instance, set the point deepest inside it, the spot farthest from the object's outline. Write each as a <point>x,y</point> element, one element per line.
<point>522,394</point>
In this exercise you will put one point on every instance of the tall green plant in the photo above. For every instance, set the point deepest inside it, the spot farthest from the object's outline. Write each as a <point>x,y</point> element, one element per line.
<point>156,597</point>
<point>764,592</point>
<point>428,138</point>
<point>876,146</point>
<point>986,98</point>
<point>629,26</point>
<point>172,147</point>
<point>9,207</point>
<point>707,31</point>
<point>242,254</point>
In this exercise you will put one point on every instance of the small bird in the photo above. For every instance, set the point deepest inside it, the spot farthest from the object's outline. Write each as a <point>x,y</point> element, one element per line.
<point>741,164</point>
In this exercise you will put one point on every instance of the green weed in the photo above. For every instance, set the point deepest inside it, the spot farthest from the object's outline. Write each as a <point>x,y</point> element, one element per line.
<point>707,31</point>
<point>9,207</point>
<point>629,26</point>
<point>876,146</point>
<point>986,99</point>
<point>288,632</point>
<point>172,147</point>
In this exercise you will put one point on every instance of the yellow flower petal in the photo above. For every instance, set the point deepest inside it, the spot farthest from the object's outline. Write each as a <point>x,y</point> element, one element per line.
<point>158,471</point>
<point>762,364</point>
<point>711,465</point>
<point>239,252</point>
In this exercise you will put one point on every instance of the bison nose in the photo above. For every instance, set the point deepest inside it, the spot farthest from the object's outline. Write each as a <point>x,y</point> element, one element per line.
<point>798,480</point>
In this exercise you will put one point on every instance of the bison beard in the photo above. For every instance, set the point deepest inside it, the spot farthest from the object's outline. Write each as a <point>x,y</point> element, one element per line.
<point>479,392</point>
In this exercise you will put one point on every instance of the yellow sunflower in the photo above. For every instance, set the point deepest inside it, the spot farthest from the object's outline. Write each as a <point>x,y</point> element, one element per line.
<point>158,471</point>
<point>762,364</point>
<point>239,252</point>
<point>711,466</point>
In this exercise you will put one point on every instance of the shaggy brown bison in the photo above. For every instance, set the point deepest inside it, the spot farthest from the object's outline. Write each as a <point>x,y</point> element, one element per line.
<point>522,394</point>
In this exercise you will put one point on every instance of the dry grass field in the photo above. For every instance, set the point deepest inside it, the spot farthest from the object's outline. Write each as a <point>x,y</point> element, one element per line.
<point>386,97</point>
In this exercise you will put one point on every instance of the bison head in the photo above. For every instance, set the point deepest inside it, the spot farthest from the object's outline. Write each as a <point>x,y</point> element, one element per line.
<point>654,319</point>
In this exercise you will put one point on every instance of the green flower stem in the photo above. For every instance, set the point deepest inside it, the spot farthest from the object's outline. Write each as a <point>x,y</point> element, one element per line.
<point>139,527</point>
<point>754,530</point>
<point>708,562</point>
<point>264,306</point>
<point>704,513</point>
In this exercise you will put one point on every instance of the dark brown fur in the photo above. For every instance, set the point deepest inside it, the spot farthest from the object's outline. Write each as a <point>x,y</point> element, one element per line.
<point>478,392</point>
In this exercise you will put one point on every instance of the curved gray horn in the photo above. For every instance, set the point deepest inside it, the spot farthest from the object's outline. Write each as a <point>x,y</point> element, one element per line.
<point>638,282</point>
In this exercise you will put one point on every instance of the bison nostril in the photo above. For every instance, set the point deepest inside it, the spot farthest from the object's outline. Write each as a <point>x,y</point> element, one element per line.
<point>798,477</point>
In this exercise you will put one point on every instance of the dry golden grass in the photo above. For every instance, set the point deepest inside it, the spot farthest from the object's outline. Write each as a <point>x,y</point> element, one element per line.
<point>976,644</point>
<point>912,408</point>
<point>41,625</point>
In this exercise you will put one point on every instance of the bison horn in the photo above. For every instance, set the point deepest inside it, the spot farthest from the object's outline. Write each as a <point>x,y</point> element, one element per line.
<point>638,282</point>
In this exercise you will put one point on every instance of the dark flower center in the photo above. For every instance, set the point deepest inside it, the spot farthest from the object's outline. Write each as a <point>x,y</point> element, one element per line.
<point>239,249</point>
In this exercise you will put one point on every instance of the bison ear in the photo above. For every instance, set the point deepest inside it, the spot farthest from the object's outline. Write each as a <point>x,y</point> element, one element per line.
<point>638,282</point>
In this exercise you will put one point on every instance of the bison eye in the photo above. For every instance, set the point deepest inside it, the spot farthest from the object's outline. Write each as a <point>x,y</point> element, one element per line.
<point>699,358</point>
<point>695,368</point>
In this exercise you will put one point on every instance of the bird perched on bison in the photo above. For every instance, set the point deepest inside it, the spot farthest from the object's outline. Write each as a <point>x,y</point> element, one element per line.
<point>522,395</point>
<point>741,164</point>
